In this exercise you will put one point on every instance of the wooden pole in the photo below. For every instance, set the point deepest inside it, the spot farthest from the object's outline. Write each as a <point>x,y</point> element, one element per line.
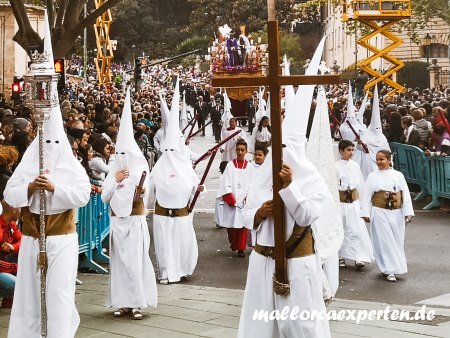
<point>281,282</point>
<point>271,10</point>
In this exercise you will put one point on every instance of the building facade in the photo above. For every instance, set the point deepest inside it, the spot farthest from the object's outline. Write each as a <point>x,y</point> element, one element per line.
<point>342,47</point>
<point>13,58</point>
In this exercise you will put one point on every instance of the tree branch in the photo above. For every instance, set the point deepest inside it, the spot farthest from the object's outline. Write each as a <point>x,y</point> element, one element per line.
<point>71,17</point>
<point>26,37</point>
<point>20,13</point>
<point>61,13</point>
<point>92,17</point>
<point>50,12</point>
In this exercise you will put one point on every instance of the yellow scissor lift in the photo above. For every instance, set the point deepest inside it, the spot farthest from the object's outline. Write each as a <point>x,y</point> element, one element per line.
<point>104,47</point>
<point>379,16</point>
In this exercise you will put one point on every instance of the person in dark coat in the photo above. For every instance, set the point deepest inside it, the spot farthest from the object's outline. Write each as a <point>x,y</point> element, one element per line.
<point>201,111</point>
<point>251,109</point>
<point>411,136</point>
<point>216,113</point>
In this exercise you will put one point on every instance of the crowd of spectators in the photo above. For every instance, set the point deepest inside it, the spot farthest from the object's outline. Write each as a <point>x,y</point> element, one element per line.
<point>91,115</point>
<point>415,117</point>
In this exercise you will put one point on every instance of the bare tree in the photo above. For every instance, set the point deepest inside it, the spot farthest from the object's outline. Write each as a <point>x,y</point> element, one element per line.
<point>66,23</point>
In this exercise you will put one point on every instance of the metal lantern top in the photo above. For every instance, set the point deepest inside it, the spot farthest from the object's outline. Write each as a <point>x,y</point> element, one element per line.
<point>40,85</point>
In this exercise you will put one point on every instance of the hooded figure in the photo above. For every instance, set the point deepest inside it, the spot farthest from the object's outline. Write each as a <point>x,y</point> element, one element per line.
<point>67,187</point>
<point>183,115</point>
<point>289,92</point>
<point>374,137</point>
<point>132,283</point>
<point>359,156</point>
<point>172,184</point>
<point>307,199</point>
<point>229,127</point>
<point>320,152</point>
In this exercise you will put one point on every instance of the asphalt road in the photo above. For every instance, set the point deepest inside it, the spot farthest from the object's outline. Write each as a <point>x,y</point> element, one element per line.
<point>427,249</point>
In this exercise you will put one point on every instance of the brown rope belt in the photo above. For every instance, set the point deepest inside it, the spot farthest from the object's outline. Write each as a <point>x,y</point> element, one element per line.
<point>137,210</point>
<point>299,244</point>
<point>387,199</point>
<point>161,211</point>
<point>348,196</point>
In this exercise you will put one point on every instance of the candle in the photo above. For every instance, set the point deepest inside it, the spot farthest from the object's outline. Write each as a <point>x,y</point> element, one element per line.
<point>259,40</point>
<point>251,41</point>
<point>209,49</point>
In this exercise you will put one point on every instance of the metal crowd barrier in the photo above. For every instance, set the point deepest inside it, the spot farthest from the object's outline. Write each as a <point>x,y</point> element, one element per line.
<point>440,180</point>
<point>93,229</point>
<point>432,174</point>
<point>413,163</point>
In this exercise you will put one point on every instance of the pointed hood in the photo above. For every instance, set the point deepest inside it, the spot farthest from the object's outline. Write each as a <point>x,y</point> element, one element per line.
<point>373,136</point>
<point>60,165</point>
<point>375,122</point>
<point>346,132</point>
<point>289,92</point>
<point>297,113</point>
<point>165,112</point>
<point>183,115</point>
<point>173,135</point>
<point>128,156</point>
<point>267,112</point>
<point>350,104</point>
<point>360,115</point>
<point>173,174</point>
<point>226,111</point>
<point>261,106</point>
<point>43,63</point>
<point>320,152</point>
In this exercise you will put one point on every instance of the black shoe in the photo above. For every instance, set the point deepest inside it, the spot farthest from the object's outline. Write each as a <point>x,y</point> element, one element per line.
<point>241,254</point>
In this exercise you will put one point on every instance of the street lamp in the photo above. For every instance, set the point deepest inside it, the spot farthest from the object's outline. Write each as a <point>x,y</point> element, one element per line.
<point>427,44</point>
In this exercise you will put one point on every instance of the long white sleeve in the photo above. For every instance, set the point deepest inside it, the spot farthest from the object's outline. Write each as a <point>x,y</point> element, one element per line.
<point>304,209</point>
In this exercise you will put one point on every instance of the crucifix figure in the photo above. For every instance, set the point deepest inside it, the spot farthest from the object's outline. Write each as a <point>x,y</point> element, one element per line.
<point>274,81</point>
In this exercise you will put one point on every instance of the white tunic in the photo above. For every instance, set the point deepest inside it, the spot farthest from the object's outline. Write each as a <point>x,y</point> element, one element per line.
<point>357,245</point>
<point>62,255</point>
<point>132,282</point>
<point>234,181</point>
<point>305,276</point>
<point>175,241</point>
<point>63,318</point>
<point>264,135</point>
<point>388,226</point>
<point>229,148</point>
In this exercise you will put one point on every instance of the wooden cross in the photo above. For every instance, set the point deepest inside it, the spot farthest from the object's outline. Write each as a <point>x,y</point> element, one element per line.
<point>274,81</point>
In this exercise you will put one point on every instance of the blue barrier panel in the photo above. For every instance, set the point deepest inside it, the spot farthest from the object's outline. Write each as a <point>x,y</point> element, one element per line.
<point>83,228</point>
<point>440,180</point>
<point>414,165</point>
<point>102,225</point>
<point>87,227</point>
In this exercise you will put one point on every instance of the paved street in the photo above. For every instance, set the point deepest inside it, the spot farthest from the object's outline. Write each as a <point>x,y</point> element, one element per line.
<point>209,303</point>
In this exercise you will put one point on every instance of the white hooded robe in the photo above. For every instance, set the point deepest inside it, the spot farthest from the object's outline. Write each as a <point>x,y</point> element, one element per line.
<point>132,282</point>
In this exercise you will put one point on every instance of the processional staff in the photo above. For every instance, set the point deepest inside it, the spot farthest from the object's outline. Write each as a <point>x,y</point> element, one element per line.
<point>41,96</point>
